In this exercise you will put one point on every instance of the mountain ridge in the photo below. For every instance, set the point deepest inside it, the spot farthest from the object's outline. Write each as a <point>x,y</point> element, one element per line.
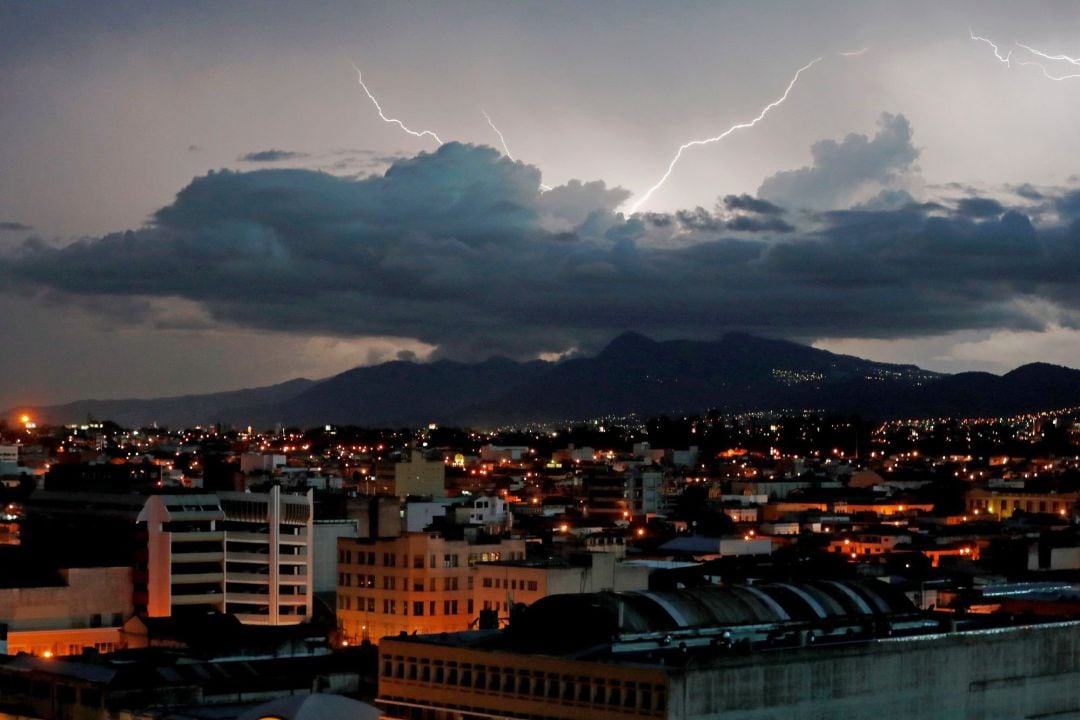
<point>633,374</point>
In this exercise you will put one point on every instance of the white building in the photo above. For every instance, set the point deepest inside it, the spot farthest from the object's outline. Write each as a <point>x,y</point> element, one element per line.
<point>268,549</point>
<point>243,553</point>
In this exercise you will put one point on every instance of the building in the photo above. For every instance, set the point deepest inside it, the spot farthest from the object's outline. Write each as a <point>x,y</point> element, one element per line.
<point>268,556</point>
<point>62,613</point>
<point>701,547</point>
<point>502,584</point>
<point>245,553</point>
<point>644,491</point>
<point>1003,503</point>
<point>180,561</point>
<point>150,683</point>
<point>417,582</point>
<point>853,650</point>
<point>606,496</point>
<point>490,512</point>
<point>415,476</point>
<point>9,460</point>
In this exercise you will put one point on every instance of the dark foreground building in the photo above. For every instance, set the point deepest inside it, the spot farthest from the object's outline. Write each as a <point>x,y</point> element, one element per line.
<point>814,650</point>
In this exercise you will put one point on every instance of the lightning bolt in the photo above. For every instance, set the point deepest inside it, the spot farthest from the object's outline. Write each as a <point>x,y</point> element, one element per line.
<point>1008,59</point>
<point>499,133</point>
<point>506,148</point>
<point>997,51</point>
<point>392,121</point>
<point>1055,58</point>
<point>1039,53</point>
<point>717,138</point>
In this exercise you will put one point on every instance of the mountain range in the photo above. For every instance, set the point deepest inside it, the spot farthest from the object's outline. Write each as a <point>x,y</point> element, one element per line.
<point>633,374</point>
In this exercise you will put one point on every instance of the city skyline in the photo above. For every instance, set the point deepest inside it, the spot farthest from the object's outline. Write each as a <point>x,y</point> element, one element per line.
<point>204,198</point>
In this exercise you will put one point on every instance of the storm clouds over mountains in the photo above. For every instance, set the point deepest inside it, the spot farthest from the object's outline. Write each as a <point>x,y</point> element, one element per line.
<point>458,248</point>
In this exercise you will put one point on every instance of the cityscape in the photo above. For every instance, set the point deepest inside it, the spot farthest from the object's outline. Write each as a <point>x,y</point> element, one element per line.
<point>539,361</point>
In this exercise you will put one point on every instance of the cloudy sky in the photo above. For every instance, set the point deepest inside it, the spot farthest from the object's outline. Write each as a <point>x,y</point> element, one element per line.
<point>201,196</point>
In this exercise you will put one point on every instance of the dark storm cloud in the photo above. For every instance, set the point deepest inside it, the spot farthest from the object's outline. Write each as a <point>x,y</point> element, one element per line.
<point>1028,191</point>
<point>758,224</point>
<point>1068,205</point>
<point>748,214</point>
<point>458,248</point>
<point>266,156</point>
<point>750,204</point>
<point>699,219</point>
<point>979,207</point>
<point>14,226</point>
<point>842,169</point>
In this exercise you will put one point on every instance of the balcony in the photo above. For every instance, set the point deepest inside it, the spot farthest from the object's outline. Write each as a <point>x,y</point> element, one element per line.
<point>299,579</point>
<point>198,536</point>
<point>195,578</point>
<point>210,598</point>
<point>250,577</point>
<point>248,557</point>
<point>179,556</point>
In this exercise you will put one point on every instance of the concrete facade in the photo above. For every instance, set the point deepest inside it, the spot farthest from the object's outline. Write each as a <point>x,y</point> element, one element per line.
<point>1000,674</point>
<point>89,610</point>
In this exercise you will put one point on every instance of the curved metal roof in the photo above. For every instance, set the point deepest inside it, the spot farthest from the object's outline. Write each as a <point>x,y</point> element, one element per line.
<point>598,617</point>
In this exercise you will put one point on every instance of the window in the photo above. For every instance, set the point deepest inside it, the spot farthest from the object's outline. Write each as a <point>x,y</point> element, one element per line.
<point>487,582</point>
<point>450,560</point>
<point>418,561</point>
<point>388,607</point>
<point>469,604</point>
<point>532,585</point>
<point>431,608</point>
<point>371,604</point>
<point>418,608</point>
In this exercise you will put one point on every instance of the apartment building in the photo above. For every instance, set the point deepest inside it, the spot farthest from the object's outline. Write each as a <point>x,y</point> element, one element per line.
<point>502,584</point>
<point>418,582</point>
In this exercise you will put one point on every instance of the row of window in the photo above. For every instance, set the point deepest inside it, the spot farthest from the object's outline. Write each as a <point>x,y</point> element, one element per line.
<point>609,693</point>
<point>511,584</point>
<point>420,608</point>
<point>1028,505</point>
<point>448,560</point>
<point>390,582</point>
